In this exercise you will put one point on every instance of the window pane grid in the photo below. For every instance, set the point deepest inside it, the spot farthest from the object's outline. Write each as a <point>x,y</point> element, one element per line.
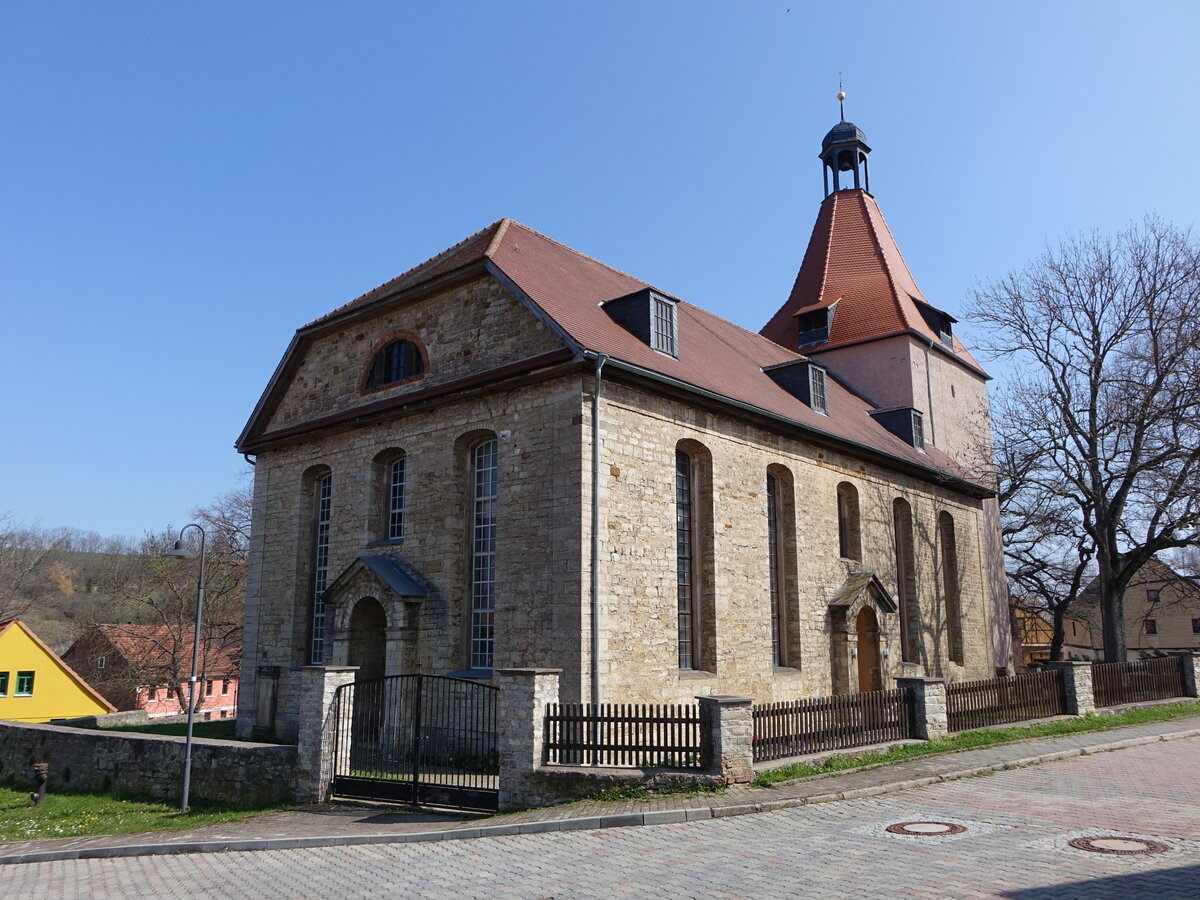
<point>684,567</point>
<point>816,388</point>
<point>483,555</point>
<point>321,567</point>
<point>663,315</point>
<point>773,566</point>
<point>396,501</point>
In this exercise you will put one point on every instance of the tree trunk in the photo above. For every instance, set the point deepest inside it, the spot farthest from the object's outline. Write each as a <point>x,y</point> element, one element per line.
<point>1112,608</point>
<point>1058,635</point>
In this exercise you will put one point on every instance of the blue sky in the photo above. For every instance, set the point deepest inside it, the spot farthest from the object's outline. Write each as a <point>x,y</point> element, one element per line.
<point>185,185</point>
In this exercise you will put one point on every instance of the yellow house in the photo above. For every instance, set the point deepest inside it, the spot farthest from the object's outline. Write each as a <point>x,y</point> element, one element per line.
<point>37,686</point>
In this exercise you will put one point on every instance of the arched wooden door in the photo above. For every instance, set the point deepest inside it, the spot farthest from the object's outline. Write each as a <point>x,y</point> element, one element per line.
<point>368,639</point>
<point>870,672</point>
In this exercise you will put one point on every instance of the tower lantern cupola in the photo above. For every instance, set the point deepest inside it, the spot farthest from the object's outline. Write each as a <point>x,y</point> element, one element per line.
<point>845,150</point>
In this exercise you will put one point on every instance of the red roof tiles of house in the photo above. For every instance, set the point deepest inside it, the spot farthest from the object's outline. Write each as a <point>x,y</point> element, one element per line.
<point>853,261</point>
<point>151,647</point>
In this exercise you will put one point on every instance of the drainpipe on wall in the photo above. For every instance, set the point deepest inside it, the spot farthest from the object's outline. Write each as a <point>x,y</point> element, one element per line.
<point>600,359</point>
<point>929,397</point>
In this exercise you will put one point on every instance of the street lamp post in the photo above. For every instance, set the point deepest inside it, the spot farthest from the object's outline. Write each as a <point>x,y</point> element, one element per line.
<point>182,552</point>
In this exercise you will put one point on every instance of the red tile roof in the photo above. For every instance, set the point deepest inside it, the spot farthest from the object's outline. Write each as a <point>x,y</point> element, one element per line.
<point>150,647</point>
<point>714,355</point>
<point>853,261</point>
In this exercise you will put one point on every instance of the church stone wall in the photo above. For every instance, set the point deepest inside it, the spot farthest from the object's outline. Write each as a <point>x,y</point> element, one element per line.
<point>538,595</point>
<point>641,432</point>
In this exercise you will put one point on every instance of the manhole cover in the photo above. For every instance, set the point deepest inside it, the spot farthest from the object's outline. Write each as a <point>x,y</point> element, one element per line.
<point>1121,846</point>
<point>926,829</point>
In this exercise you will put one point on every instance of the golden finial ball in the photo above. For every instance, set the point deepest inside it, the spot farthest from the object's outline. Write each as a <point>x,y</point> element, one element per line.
<point>841,95</point>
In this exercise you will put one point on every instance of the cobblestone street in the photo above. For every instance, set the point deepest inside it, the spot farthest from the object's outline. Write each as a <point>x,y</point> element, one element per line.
<point>1015,844</point>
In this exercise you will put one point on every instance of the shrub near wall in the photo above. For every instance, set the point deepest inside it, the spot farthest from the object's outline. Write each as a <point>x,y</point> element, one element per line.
<point>83,759</point>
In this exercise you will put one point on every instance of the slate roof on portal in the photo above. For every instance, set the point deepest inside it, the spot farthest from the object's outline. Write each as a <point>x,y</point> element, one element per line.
<point>852,260</point>
<point>714,355</point>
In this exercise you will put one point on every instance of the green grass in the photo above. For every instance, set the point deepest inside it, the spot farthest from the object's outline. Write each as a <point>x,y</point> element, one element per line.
<point>79,815</point>
<point>986,737</point>
<point>222,729</point>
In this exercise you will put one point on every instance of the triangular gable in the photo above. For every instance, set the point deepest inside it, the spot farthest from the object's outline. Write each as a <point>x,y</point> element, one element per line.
<point>386,571</point>
<point>57,660</point>
<point>854,587</point>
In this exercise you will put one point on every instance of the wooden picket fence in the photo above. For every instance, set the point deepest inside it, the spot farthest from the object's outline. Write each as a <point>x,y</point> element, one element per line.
<point>645,735</point>
<point>1139,681</point>
<point>998,701</point>
<point>819,724</point>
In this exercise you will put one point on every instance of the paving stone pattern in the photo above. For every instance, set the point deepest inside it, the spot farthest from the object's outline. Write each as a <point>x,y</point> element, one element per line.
<point>1018,824</point>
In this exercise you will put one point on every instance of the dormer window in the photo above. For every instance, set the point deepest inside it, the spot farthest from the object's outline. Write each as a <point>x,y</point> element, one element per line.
<point>816,389</point>
<point>940,322</point>
<point>663,325</point>
<point>804,380</point>
<point>397,361</point>
<point>651,317</point>
<point>904,422</point>
<point>814,326</point>
<point>918,430</point>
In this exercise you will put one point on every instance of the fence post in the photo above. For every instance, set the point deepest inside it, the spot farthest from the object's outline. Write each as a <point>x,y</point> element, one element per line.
<point>314,765</point>
<point>930,719</point>
<point>520,730</point>
<point>727,736</point>
<point>1078,690</point>
<point>1188,664</point>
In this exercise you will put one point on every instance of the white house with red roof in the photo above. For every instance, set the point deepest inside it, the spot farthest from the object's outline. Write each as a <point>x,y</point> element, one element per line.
<point>514,455</point>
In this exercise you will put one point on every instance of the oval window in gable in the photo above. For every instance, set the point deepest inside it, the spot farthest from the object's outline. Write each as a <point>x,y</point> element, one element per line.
<point>398,361</point>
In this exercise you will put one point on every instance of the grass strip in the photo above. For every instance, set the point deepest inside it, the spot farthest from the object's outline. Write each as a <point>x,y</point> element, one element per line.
<point>221,729</point>
<point>65,815</point>
<point>984,737</point>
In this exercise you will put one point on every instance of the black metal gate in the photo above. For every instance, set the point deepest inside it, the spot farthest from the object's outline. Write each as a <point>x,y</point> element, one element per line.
<point>424,739</point>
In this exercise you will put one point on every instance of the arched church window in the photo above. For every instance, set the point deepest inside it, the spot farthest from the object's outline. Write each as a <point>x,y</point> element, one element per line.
<point>849,527</point>
<point>399,360</point>
<point>906,581</point>
<point>950,585</point>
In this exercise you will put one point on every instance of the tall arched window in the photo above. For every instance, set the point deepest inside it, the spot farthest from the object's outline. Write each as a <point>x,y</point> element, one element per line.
<point>849,529</point>
<point>950,585</point>
<point>396,361</point>
<point>906,581</point>
<point>322,499</point>
<point>483,553</point>
<point>395,487</point>
<point>693,556</point>
<point>781,564</point>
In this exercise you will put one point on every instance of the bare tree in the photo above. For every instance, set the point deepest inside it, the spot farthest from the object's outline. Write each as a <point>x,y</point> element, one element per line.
<point>163,592</point>
<point>1103,335</point>
<point>1047,555</point>
<point>26,555</point>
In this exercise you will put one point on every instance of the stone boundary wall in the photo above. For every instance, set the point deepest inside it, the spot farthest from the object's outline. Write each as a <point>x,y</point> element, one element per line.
<point>83,759</point>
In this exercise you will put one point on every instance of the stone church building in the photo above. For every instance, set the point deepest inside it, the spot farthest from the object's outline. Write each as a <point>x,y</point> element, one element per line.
<point>513,455</point>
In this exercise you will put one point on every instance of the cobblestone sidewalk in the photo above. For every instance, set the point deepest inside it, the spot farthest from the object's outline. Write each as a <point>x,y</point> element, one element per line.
<point>343,825</point>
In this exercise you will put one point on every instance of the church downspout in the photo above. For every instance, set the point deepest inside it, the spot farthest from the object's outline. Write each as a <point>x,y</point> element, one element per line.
<point>600,359</point>
<point>929,398</point>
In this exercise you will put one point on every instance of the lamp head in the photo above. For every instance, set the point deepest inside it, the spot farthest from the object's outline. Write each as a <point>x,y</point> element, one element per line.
<point>180,551</point>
